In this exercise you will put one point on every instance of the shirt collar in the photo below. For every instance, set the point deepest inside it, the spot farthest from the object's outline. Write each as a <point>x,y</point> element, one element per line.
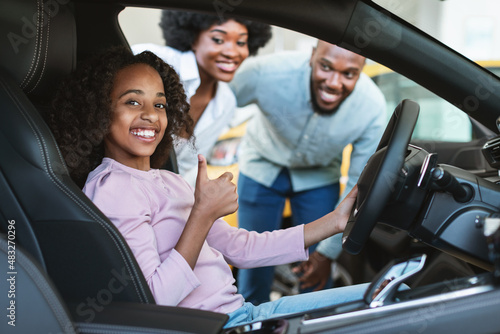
<point>188,71</point>
<point>142,173</point>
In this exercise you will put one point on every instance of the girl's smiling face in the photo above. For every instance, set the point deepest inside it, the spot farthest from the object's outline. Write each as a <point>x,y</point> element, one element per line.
<point>138,116</point>
<point>221,49</point>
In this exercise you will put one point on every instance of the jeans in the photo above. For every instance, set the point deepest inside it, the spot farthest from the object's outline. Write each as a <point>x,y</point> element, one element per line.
<point>261,209</point>
<point>295,304</point>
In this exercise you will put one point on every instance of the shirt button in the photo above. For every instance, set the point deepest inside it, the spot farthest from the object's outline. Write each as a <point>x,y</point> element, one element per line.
<point>306,137</point>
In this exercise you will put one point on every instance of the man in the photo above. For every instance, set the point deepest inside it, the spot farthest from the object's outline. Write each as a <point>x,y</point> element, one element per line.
<point>311,107</point>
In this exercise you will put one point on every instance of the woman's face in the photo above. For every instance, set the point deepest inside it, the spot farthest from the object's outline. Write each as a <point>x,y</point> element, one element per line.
<point>138,116</point>
<point>221,49</point>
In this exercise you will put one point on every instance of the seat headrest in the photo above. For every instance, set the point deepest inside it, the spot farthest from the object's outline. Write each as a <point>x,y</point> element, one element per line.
<point>38,43</point>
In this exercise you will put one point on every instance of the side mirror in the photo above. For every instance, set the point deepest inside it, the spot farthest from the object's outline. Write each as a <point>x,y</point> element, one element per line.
<point>387,282</point>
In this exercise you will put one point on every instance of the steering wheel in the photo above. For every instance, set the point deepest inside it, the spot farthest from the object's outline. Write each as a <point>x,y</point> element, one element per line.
<point>378,179</point>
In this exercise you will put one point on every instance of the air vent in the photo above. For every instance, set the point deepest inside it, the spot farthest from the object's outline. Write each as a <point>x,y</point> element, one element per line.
<point>491,152</point>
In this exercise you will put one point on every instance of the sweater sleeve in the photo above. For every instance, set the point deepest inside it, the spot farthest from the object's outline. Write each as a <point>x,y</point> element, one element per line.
<point>245,249</point>
<point>123,199</point>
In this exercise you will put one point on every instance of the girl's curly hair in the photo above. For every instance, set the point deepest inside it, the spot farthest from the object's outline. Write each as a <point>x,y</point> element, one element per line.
<point>81,110</point>
<point>180,29</point>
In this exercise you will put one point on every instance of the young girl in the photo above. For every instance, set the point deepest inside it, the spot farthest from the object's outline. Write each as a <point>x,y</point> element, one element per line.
<point>116,112</point>
<point>206,51</point>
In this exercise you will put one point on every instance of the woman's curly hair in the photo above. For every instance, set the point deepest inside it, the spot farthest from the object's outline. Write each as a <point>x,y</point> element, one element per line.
<point>81,110</point>
<point>180,29</point>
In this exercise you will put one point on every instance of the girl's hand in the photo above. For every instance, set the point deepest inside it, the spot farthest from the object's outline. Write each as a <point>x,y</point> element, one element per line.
<point>214,198</point>
<point>332,223</point>
<point>344,208</point>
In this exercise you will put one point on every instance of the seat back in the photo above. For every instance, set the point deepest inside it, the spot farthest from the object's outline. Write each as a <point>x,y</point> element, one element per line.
<point>82,251</point>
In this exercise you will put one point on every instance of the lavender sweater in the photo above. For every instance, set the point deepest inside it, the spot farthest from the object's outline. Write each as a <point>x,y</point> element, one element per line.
<point>150,208</point>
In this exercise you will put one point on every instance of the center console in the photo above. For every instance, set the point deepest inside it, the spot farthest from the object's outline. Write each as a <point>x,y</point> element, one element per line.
<point>469,304</point>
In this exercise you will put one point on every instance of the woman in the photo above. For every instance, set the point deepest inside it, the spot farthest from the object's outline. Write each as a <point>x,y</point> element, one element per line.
<point>206,51</point>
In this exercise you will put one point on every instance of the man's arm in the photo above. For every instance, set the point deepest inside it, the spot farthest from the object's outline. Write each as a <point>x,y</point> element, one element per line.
<point>245,83</point>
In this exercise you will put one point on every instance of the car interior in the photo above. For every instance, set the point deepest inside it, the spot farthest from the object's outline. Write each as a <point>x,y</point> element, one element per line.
<point>73,271</point>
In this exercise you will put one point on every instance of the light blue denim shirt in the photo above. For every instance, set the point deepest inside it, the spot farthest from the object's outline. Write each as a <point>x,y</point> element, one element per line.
<point>288,133</point>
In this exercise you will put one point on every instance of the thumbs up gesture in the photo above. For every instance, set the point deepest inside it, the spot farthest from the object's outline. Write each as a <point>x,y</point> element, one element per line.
<point>216,198</point>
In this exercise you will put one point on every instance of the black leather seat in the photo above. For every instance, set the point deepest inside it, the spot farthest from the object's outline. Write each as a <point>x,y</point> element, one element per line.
<point>85,256</point>
<point>29,295</point>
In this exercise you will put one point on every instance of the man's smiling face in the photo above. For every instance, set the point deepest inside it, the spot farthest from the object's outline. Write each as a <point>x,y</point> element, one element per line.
<point>335,72</point>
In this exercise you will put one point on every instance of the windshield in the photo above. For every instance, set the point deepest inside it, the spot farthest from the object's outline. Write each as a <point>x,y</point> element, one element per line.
<point>472,30</point>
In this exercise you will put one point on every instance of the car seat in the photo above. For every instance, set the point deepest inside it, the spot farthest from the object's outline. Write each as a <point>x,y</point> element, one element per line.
<point>30,295</point>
